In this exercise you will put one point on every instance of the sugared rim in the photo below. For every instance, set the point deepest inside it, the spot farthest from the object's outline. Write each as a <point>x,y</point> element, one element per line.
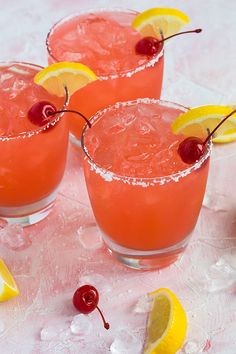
<point>126,73</point>
<point>36,131</point>
<point>144,182</point>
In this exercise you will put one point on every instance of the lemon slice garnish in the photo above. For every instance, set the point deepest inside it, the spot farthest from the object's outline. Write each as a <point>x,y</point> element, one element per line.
<point>160,22</point>
<point>167,324</point>
<point>55,77</point>
<point>8,287</point>
<point>202,120</point>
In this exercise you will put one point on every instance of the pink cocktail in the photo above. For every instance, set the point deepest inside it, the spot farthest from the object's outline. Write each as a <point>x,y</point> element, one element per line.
<point>32,158</point>
<point>105,41</point>
<point>145,199</point>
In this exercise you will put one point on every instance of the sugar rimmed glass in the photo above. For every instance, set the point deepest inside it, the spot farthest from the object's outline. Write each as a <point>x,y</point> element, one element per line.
<point>32,158</point>
<point>145,222</point>
<point>144,80</point>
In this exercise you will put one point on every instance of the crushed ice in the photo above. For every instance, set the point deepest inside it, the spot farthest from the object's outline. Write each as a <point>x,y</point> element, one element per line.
<point>126,343</point>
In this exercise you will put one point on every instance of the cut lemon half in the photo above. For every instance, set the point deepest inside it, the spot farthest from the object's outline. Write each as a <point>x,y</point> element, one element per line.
<point>167,324</point>
<point>8,287</point>
<point>160,22</point>
<point>202,120</point>
<point>55,77</point>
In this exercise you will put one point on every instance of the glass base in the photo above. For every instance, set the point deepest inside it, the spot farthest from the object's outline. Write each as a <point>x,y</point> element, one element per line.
<point>28,214</point>
<point>146,260</point>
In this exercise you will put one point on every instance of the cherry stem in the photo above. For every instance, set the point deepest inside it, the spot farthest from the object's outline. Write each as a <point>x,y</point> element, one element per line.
<point>198,30</point>
<point>71,111</point>
<point>106,324</point>
<point>217,127</point>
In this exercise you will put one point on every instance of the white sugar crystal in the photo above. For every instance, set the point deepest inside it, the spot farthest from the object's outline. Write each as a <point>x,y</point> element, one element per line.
<point>126,343</point>
<point>143,304</point>
<point>90,237</point>
<point>81,325</point>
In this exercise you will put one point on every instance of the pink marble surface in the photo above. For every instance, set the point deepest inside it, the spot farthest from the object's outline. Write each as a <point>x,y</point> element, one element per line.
<point>56,255</point>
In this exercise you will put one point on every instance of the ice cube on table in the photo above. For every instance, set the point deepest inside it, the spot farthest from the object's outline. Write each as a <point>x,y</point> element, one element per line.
<point>191,347</point>
<point>14,237</point>
<point>143,304</point>
<point>2,327</point>
<point>90,237</point>
<point>48,333</point>
<point>126,343</point>
<point>81,325</point>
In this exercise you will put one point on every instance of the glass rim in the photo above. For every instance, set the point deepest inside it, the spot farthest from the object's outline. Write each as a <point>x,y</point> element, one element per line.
<point>47,125</point>
<point>125,73</point>
<point>142,181</point>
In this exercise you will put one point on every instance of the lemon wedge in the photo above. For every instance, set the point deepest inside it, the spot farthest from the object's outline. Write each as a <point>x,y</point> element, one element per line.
<point>8,287</point>
<point>167,324</point>
<point>202,120</point>
<point>158,22</point>
<point>56,76</point>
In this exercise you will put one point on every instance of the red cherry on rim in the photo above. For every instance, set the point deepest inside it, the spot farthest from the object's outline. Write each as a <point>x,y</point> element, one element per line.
<point>151,45</point>
<point>86,299</point>
<point>191,149</point>
<point>148,46</point>
<point>40,113</point>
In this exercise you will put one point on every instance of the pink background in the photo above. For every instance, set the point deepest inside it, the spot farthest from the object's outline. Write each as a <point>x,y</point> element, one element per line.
<point>198,70</point>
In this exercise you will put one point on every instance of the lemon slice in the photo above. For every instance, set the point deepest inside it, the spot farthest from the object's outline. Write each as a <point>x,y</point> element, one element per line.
<point>202,120</point>
<point>8,287</point>
<point>167,324</point>
<point>55,77</point>
<point>160,22</point>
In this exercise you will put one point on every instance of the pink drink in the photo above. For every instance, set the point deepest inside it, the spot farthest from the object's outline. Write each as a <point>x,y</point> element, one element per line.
<point>145,199</point>
<point>32,158</point>
<point>105,41</point>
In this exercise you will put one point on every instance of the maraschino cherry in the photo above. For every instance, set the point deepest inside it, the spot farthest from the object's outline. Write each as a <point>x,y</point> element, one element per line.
<point>41,112</point>
<point>192,148</point>
<point>86,299</point>
<point>151,45</point>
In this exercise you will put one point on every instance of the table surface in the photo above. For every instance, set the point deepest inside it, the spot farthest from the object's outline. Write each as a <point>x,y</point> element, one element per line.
<point>66,250</point>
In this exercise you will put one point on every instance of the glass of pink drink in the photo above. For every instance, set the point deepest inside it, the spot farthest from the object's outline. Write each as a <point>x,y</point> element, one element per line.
<point>105,41</point>
<point>32,158</point>
<point>145,199</point>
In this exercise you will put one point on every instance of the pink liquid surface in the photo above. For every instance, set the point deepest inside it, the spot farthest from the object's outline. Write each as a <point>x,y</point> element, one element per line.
<point>105,41</point>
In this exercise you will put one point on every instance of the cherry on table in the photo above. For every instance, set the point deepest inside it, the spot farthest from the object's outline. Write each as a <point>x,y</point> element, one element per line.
<point>86,300</point>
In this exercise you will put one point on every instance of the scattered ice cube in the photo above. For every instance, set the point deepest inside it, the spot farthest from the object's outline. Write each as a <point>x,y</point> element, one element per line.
<point>126,343</point>
<point>191,347</point>
<point>2,327</point>
<point>81,325</point>
<point>222,274</point>
<point>90,237</point>
<point>143,304</point>
<point>48,333</point>
<point>217,202</point>
<point>14,237</point>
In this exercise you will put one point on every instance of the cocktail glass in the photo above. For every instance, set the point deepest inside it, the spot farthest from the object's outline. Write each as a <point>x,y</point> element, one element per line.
<point>105,41</point>
<point>146,201</point>
<point>32,158</point>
